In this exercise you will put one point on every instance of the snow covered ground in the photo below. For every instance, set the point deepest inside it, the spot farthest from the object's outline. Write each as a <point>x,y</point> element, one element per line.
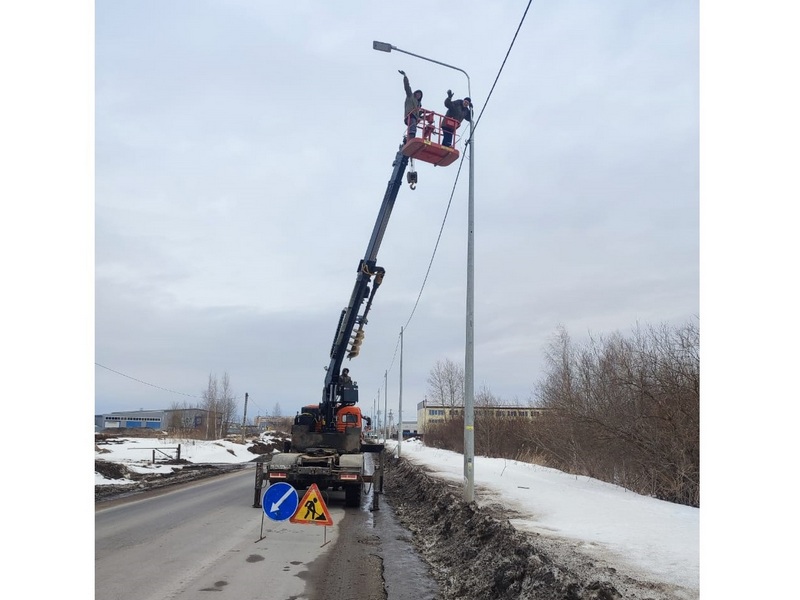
<point>650,536</point>
<point>647,535</point>
<point>137,454</point>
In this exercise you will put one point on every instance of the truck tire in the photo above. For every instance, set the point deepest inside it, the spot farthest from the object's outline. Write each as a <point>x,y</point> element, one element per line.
<point>352,495</point>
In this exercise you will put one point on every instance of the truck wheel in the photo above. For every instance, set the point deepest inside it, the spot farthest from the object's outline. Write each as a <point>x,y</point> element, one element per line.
<point>352,495</point>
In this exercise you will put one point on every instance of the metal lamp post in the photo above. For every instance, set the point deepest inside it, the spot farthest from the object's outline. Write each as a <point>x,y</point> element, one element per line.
<point>469,354</point>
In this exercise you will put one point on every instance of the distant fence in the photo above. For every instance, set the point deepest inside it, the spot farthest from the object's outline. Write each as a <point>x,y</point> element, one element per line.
<point>161,450</point>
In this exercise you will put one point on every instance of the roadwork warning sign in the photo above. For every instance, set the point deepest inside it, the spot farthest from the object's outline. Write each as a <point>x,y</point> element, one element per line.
<point>312,509</point>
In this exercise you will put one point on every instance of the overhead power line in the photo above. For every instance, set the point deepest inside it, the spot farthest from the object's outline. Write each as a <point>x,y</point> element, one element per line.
<point>146,383</point>
<point>455,183</point>
<point>250,400</point>
<point>502,66</point>
<point>438,239</point>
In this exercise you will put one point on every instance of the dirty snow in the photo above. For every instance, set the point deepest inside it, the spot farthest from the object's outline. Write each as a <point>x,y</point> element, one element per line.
<point>651,537</point>
<point>659,539</point>
<point>137,454</point>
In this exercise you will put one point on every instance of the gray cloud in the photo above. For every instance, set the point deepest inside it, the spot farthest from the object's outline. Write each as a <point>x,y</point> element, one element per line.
<point>243,149</point>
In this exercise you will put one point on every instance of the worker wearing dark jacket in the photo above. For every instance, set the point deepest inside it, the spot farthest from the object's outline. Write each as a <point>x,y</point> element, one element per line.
<point>457,110</point>
<point>412,106</point>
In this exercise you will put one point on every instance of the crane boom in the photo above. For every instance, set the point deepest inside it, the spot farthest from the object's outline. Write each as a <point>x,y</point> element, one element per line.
<point>327,446</point>
<point>350,330</point>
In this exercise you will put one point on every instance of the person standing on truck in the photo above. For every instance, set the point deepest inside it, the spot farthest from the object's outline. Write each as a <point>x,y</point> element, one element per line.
<point>411,112</point>
<point>344,378</point>
<point>457,110</point>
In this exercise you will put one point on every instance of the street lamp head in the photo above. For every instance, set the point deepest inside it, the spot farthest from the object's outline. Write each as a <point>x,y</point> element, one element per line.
<point>382,46</point>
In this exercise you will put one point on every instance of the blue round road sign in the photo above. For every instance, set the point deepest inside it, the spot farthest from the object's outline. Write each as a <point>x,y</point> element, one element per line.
<point>280,501</point>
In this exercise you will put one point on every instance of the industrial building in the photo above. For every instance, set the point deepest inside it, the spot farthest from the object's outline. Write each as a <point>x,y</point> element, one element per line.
<point>184,418</point>
<point>428,413</point>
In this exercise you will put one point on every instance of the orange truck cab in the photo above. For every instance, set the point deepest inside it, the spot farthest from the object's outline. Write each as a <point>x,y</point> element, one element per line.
<point>346,417</point>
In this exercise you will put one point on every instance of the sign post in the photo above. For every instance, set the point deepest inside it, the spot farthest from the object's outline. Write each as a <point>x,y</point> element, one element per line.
<point>312,511</point>
<point>278,503</point>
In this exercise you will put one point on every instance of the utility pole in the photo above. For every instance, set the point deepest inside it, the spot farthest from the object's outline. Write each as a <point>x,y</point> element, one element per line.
<point>469,343</point>
<point>378,413</point>
<point>385,403</point>
<point>244,418</point>
<point>400,407</point>
<point>469,352</point>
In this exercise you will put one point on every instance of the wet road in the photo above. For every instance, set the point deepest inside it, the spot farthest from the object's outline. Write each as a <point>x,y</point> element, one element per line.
<point>206,537</point>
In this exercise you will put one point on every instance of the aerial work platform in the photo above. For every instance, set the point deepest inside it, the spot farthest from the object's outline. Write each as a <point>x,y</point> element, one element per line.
<point>427,144</point>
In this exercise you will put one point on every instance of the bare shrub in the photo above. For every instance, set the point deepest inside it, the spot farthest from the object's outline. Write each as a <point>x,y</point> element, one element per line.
<point>626,410</point>
<point>621,409</point>
<point>447,434</point>
<point>495,436</point>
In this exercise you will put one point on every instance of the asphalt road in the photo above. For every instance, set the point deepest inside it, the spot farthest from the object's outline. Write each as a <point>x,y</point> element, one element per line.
<point>207,537</point>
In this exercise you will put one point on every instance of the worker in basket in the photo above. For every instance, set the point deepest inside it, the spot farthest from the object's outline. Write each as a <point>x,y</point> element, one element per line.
<point>411,109</point>
<point>457,111</point>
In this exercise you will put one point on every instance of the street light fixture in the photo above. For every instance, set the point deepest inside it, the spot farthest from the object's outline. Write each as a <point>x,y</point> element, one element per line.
<point>469,353</point>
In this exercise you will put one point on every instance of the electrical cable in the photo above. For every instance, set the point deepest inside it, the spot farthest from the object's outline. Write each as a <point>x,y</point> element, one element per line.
<point>249,400</point>
<point>502,66</point>
<point>455,183</point>
<point>438,238</point>
<point>146,383</point>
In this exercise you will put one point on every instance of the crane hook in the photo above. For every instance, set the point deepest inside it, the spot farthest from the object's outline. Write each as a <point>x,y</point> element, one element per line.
<point>411,176</point>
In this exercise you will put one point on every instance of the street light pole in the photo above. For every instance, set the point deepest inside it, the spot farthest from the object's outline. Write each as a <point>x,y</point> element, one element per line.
<point>469,351</point>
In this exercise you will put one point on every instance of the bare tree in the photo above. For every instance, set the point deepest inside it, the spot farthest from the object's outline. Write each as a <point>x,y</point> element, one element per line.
<point>210,403</point>
<point>485,420</point>
<point>227,405</point>
<point>446,384</point>
<point>220,405</point>
<point>276,411</point>
<point>181,422</point>
<point>626,409</point>
<point>485,398</point>
<point>175,422</point>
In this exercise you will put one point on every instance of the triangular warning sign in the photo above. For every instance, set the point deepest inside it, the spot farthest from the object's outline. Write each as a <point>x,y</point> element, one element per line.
<point>312,509</point>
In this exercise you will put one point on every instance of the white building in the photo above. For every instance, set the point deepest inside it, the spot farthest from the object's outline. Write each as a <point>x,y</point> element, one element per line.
<point>429,413</point>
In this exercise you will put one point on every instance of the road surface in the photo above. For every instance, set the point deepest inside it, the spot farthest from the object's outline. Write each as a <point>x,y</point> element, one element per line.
<point>207,537</point>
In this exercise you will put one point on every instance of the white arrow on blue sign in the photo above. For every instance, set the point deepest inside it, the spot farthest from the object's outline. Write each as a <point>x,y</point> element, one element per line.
<point>280,501</point>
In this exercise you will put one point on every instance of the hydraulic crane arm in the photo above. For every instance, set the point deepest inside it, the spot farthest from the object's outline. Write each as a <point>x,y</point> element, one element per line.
<point>350,330</point>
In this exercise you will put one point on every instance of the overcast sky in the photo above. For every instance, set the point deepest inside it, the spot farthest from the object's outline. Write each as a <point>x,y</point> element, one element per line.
<point>243,150</point>
<point>92,213</point>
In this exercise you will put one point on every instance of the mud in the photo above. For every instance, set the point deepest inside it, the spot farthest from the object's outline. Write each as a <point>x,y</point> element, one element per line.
<point>472,552</point>
<point>475,553</point>
<point>150,481</point>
